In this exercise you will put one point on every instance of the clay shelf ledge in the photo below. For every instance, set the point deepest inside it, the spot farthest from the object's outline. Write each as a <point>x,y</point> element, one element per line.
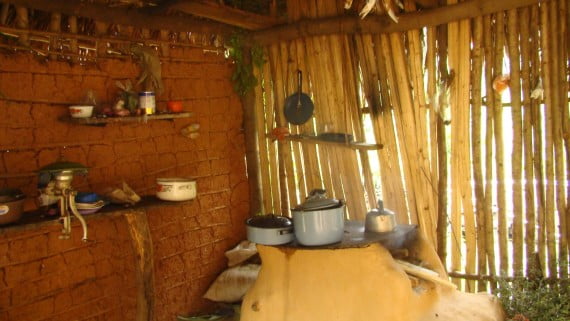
<point>318,140</point>
<point>36,219</point>
<point>103,121</point>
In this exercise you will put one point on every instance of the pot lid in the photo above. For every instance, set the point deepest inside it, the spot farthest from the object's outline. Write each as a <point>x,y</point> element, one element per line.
<point>60,166</point>
<point>318,200</point>
<point>269,221</point>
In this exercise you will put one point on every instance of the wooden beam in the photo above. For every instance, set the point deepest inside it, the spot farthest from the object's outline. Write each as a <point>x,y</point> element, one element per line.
<point>220,13</point>
<point>383,24</point>
<point>132,17</point>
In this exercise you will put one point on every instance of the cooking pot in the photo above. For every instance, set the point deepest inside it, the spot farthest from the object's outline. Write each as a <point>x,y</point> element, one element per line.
<point>380,220</point>
<point>11,205</point>
<point>175,189</point>
<point>319,220</point>
<point>269,229</point>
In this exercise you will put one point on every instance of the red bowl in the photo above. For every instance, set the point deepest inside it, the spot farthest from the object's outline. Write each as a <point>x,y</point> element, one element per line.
<point>174,106</point>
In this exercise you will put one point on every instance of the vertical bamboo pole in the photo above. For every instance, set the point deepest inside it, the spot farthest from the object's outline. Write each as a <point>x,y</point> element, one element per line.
<point>272,146</point>
<point>73,47</point>
<point>459,34</point>
<point>54,26</point>
<point>4,11</point>
<point>369,84</point>
<point>560,103</point>
<point>22,22</point>
<point>516,156</point>
<point>565,117</point>
<point>549,169</point>
<point>261,131</point>
<point>310,157</point>
<point>431,61</point>
<point>538,139</point>
<point>101,30</point>
<point>499,149</point>
<point>489,222</point>
<point>476,150</point>
<point>282,152</point>
<point>530,237</point>
<point>287,153</point>
<point>442,162</point>
<point>164,35</point>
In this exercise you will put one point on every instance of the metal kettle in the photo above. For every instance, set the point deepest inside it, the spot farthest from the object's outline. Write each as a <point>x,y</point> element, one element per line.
<point>380,220</point>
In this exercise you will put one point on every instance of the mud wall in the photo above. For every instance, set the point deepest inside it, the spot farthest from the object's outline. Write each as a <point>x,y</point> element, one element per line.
<point>44,278</point>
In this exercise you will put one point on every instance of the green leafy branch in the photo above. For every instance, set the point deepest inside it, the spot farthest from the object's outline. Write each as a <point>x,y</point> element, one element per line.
<point>243,78</point>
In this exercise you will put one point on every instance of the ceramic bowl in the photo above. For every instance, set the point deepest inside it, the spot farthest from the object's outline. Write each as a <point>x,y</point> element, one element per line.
<point>175,189</point>
<point>78,111</point>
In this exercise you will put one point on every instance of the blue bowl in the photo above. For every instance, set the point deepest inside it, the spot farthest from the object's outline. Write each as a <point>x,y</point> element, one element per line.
<point>86,197</point>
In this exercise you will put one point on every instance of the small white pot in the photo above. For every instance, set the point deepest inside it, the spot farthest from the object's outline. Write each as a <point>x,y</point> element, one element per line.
<point>81,111</point>
<point>176,189</point>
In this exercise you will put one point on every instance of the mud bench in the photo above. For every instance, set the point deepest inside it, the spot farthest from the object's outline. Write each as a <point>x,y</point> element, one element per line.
<point>367,276</point>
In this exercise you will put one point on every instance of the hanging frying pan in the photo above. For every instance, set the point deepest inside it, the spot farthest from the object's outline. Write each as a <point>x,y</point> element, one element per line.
<point>299,106</point>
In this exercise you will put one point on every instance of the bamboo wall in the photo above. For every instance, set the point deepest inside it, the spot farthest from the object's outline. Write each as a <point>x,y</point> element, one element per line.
<point>427,98</point>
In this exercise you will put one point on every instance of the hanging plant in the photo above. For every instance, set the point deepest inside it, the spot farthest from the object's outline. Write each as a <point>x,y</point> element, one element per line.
<point>243,78</point>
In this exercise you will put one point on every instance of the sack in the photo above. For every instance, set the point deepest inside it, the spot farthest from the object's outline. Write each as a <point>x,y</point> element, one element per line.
<point>233,283</point>
<point>239,254</point>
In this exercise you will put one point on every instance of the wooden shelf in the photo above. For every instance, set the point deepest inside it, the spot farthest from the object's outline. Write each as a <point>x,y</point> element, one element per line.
<point>102,121</point>
<point>317,140</point>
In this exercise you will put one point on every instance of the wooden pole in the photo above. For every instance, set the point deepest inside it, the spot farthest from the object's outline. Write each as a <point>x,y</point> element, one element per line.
<point>560,101</point>
<point>382,24</point>
<point>499,149</point>
<point>529,194</point>
<point>489,221</point>
<point>546,70</point>
<point>476,148</point>
<point>54,26</point>
<point>4,11</point>
<point>564,14</point>
<point>73,28</point>
<point>516,156</point>
<point>22,22</point>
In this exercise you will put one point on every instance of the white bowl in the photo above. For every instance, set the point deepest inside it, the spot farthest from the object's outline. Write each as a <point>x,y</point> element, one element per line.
<point>175,189</point>
<point>80,111</point>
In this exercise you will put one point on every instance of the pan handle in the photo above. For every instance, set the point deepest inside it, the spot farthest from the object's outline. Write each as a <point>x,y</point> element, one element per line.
<point>300,81</point>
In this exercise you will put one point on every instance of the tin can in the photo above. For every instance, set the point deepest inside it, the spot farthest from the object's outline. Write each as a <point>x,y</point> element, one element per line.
<point>147,102</point>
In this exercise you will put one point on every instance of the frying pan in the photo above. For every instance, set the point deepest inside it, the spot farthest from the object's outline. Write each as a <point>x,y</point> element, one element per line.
<point>299,106</point>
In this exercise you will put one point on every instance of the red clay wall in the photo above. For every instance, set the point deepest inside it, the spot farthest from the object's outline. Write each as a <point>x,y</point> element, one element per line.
<point>43,278</point>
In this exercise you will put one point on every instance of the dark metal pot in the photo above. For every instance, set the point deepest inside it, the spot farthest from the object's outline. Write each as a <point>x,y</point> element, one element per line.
<point>269,229</point>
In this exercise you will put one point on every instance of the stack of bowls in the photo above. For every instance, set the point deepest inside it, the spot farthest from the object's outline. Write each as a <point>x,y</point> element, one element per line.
<point>88,203</point>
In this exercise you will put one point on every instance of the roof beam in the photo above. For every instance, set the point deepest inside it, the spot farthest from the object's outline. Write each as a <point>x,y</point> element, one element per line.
<point>383,24</point>
<point>126,16</point>
<point>220,13</point>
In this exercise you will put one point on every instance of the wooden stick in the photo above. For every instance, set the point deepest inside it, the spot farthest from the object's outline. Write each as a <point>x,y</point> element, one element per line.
<point>538,138</point>
<point>22,22</point>
<point>489,222</point>
<point>530,225</point>
<point>516,156</point>
<point>73,47</point>
<point>442,166</point>
<point>499,149</point>
<point>4,11</point>
<point>549,169</point>
<point>274,199</point>
<point>476,150</point>
<point>564,14</point>
<point>560,99</point>
<point>54,26</point>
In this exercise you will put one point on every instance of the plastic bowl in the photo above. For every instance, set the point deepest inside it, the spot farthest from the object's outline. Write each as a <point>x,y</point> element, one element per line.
<point>86,197</point>
<point>81,111</point>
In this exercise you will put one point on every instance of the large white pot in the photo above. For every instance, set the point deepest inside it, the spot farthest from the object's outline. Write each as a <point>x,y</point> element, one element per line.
<point>319,221</point>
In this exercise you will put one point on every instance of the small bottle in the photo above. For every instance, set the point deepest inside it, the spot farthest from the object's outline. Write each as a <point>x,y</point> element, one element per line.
<point>147,102</point>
